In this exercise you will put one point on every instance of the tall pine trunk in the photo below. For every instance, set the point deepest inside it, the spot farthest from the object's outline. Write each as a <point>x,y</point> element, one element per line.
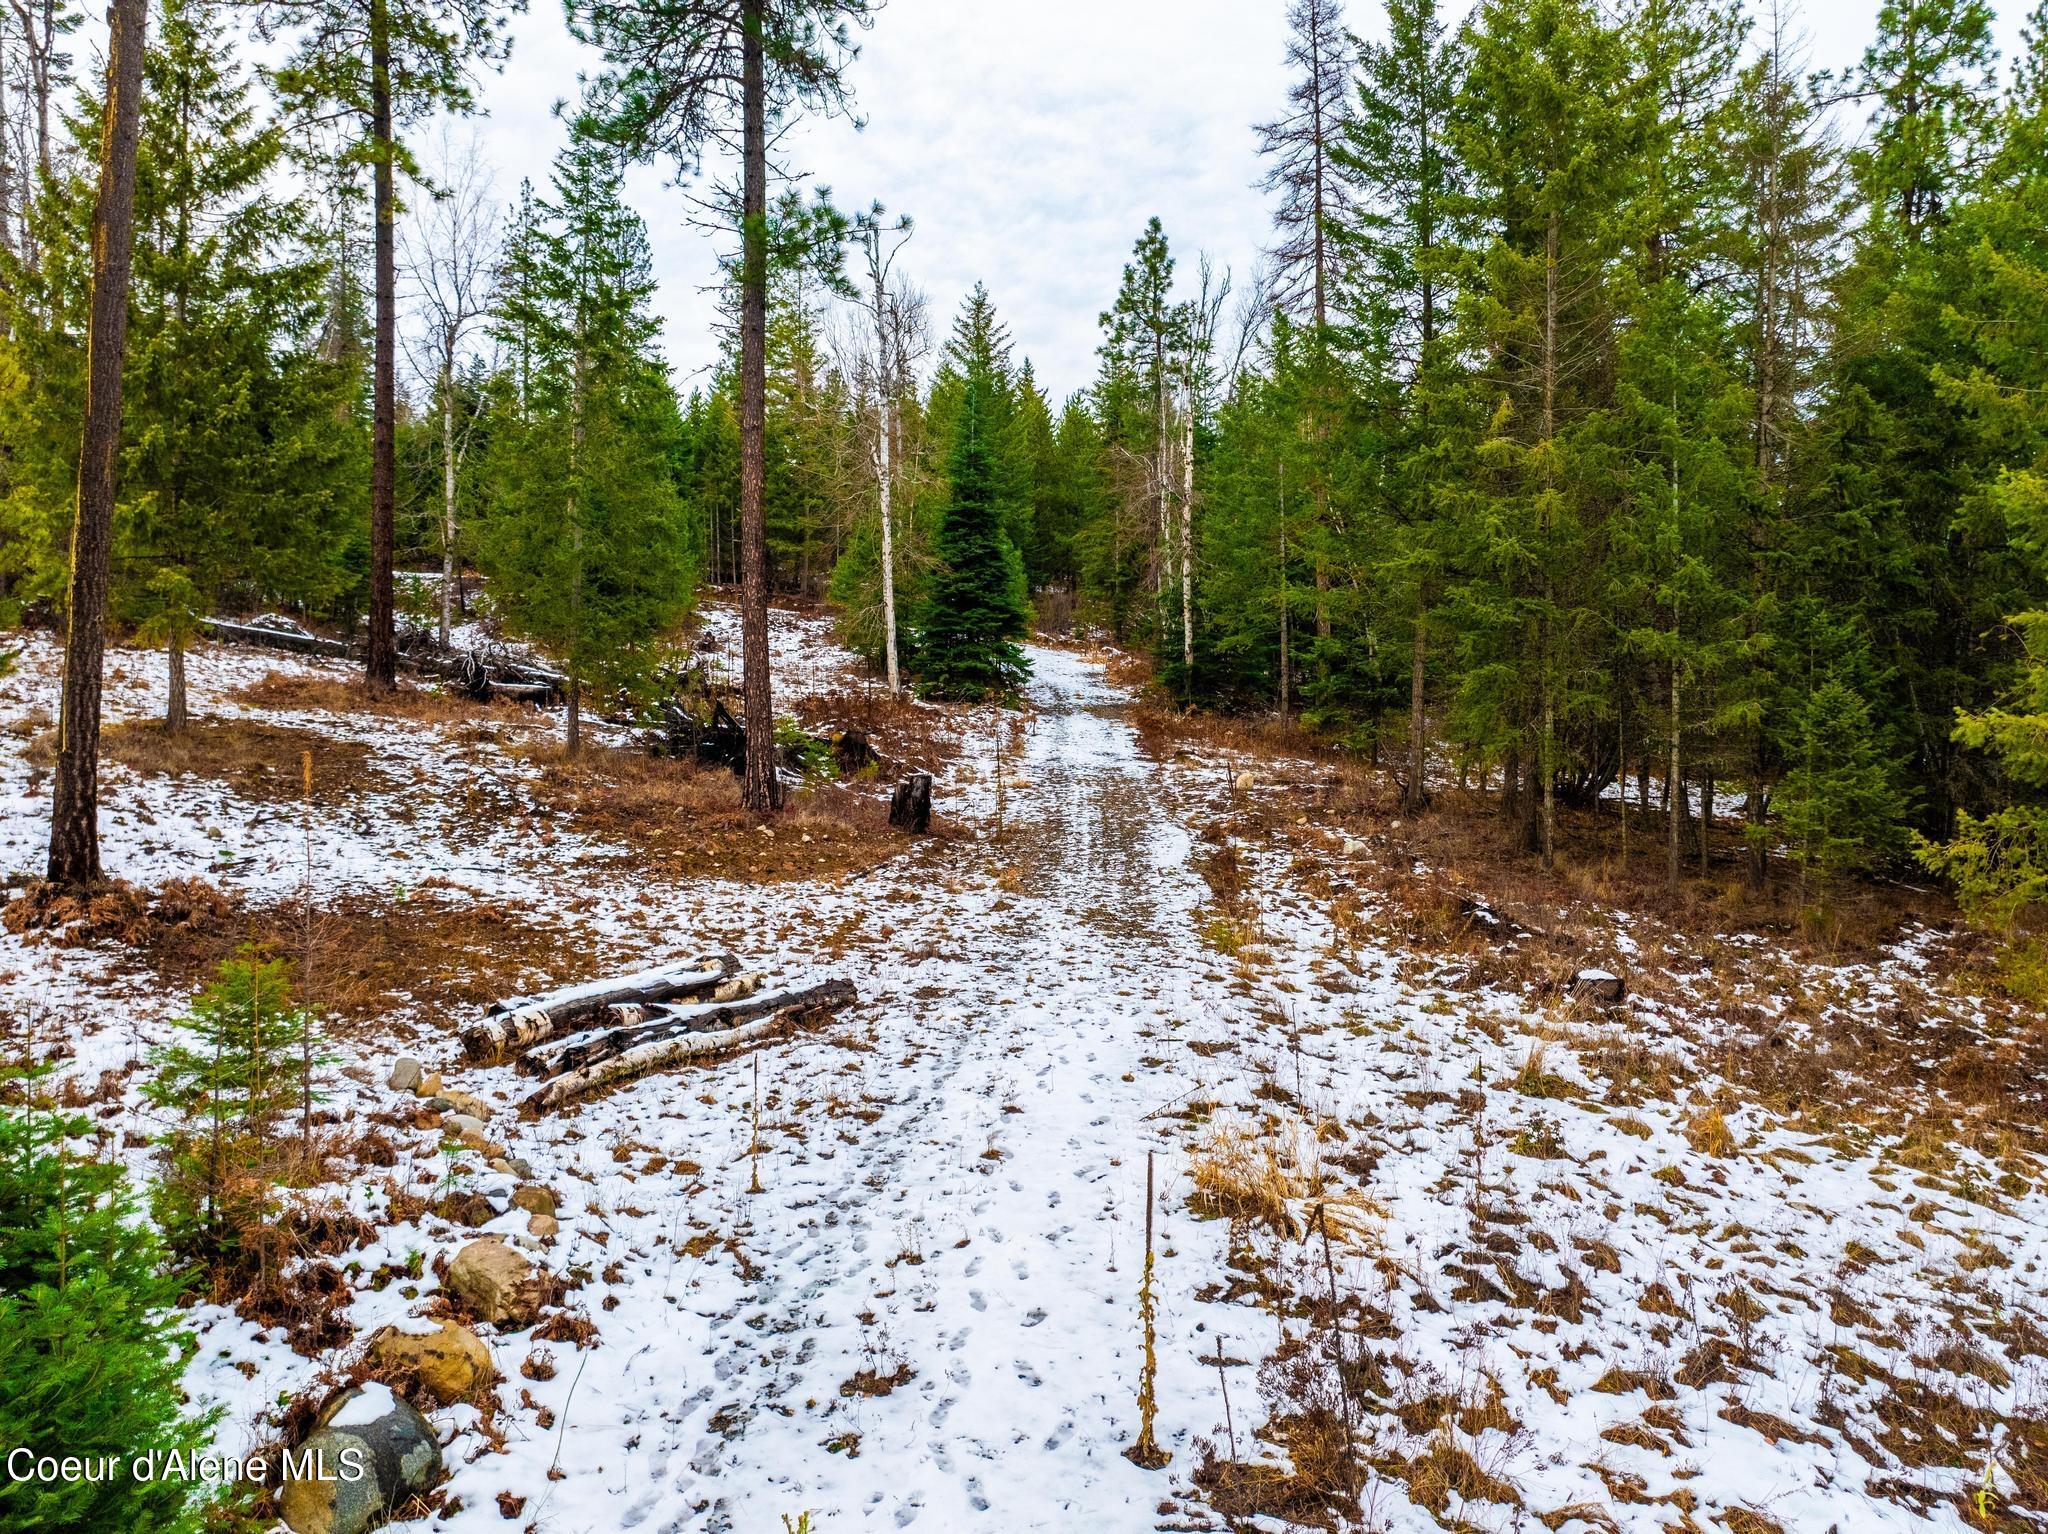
<point>763,789</point>
<point>175,710</point>
<point>381,662</point>
<point>74,801</point>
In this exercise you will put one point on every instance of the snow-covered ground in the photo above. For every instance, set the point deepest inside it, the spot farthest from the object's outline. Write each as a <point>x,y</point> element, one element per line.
<point>1563,1295</point>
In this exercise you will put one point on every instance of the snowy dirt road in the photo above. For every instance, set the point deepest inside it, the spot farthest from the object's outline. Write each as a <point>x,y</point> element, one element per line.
<point>983,1230</point>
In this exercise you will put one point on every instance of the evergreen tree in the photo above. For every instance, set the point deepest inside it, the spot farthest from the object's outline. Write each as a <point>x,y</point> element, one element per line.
<point>1403,245</point>
<point>588,542</point>
<point>91,1353</point>
<point>245,1064</point>
<point>1542,125</point>
<point>681,75</point>
<point>236,437</point>
<point>1303,146</point>
<point>973,612</point>
<point>1998,858</point>
<point>382,66</point>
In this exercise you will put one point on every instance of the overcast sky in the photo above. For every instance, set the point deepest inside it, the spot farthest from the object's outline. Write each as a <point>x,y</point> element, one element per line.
<point>1030,140</point>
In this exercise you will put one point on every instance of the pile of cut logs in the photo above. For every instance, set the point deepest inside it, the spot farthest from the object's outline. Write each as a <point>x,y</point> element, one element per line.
<point>587,1036</point>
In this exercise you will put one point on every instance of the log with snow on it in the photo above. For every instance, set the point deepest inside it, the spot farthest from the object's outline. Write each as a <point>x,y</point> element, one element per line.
<point>278,634</point>
<point>513,1025</point>
<point>666,1022</point>
<point>660,1046</point>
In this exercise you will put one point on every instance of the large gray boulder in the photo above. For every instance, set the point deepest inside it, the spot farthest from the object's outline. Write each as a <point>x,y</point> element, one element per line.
<point>369,1452</point>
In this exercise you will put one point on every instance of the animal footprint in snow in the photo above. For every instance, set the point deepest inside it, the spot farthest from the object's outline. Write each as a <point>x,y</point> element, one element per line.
<point>1034,1316</point>
<point>977,1299</point>
<point>1027,1374</point>
<point>1060,1434</point>
<point>906,1515</point>
<point>1020,1267</point>
<point>975,1498</point>
<point>959,1340</point>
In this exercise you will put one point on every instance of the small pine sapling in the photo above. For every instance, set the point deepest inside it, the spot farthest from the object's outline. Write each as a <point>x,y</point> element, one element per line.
<point>246,1062</point>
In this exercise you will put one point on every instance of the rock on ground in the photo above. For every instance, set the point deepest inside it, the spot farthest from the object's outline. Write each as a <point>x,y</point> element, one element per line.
<point>375,1450</point>
<point>498,1284</point>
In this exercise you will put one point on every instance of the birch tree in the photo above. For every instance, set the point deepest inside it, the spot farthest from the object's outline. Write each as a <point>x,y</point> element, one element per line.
<point>451,255</point>
<point>879,242</point>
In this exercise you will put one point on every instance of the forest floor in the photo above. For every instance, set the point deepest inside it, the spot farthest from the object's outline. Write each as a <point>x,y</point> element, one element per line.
<point>1759,1249</point>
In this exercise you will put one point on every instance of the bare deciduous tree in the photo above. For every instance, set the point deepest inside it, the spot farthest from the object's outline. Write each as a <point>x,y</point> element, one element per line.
<point>451,254</point>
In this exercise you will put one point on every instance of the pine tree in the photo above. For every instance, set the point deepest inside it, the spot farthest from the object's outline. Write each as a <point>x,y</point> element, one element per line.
<point>1881,501</point>
<point>1998,857</point>
<point>236,443</point>
<point>1303,146</point>
<point>382,66</point>
<point>74,860</point>
<point>1144,346</point>
<point>587,540</point>
<point>682,75</point>
<point>1403,245</point>
<point>1542,126</point>
<point>973,612</point>
<point>243,1066</point>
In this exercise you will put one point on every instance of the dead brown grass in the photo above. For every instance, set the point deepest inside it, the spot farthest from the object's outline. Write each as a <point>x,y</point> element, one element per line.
<point>256,761</point>
<point>337,694</point>
<point>684,822</point>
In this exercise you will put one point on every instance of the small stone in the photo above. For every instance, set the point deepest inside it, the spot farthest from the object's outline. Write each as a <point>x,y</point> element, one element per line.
<point>465,1102</point>
<point>1353,846</point>
<point>543,1226</point>
<point>428,1085</point>
<point>522,1168</point>
<point>405,1074</point>
<point>498,1284</point>
<point>534,1199</point>
<point>1599,987</point>
<point>368,1426</point>
<point>465,1123</point>
<point>500,1164</point>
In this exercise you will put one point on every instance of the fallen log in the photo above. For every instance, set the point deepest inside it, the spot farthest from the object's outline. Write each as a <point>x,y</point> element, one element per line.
<point>658,1053</point>
<point>578,1053</point>
<point>513,1025</point>
<point>276,636</point>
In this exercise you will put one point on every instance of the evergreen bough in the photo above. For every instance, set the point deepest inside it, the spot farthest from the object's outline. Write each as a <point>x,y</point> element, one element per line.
<point>90,1350</point>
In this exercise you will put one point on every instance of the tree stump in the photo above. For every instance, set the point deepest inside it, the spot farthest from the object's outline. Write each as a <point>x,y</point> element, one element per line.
<point>910,809</point>
<point>853,753</point>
